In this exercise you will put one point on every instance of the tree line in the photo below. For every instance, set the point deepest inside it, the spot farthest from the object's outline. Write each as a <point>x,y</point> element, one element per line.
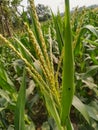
<point>11,17</point>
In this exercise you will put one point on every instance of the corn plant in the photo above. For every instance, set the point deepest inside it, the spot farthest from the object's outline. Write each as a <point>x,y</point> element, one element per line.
<point>58,97</point>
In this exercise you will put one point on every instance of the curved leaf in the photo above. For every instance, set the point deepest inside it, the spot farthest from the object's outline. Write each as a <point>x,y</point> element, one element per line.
<point>91,71</point>
<point>81,108</point>
<point>91,29</point>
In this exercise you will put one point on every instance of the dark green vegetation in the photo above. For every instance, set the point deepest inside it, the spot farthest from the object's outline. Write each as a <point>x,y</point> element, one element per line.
<point>13,78</point>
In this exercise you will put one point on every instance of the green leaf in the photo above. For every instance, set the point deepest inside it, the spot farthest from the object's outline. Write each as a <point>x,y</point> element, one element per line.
<point>5,81</point>
<point>59,31</point>
<point>92,109</point>
<point>5,95</point>
<point>92,112</point>
<point>20,105</point>
<point>68,71</point>
<point>91,29</point>
<point>81,108</point>
<point>6,86</point>
<point>87,27</point>
<point>52,108</point>
<point>91,71</point>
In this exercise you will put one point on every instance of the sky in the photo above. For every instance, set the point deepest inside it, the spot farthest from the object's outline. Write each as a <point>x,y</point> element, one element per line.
<point>55,4</point>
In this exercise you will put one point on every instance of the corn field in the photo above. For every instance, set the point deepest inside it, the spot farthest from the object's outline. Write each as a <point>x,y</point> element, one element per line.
<point>49,73</point>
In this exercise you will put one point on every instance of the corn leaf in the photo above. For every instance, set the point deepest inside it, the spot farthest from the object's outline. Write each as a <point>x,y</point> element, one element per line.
<point>91,29</point>
<point>91,71</point>
<point>92,109</point>
<point>59,32</point>
<point>52,109</point>
<point>20,105</point>
<point>67,82</point>
<point>5,81</point>
<point>81,108</point>
<point>6,86</point>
